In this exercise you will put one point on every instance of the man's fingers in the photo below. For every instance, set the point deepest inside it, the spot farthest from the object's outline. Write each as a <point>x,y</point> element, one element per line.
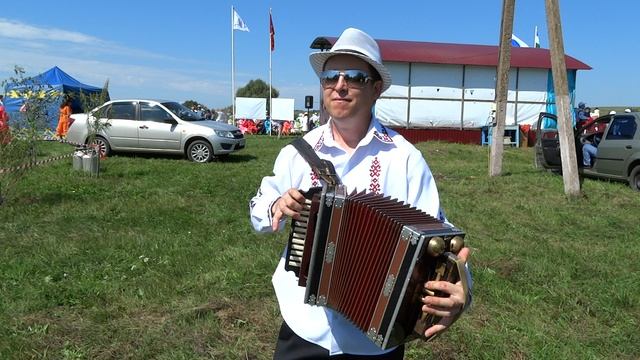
<point>434,330</point>
<point>296,195</point>
<point>439,311</point>
<point>464,254</point>
<point>444,286</point>
<point>289,204</point>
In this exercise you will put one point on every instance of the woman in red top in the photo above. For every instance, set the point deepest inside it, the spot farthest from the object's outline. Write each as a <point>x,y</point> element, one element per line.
<point>64,119</point>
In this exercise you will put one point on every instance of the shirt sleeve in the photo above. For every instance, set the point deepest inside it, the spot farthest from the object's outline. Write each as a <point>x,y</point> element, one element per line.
<point>271,188</point>
<point>421,186</point>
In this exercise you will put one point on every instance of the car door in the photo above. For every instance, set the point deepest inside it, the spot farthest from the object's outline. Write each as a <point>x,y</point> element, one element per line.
<point>547,142</point>
<point>158,129</point>
<point>123,129</point>
<point>616,146</point>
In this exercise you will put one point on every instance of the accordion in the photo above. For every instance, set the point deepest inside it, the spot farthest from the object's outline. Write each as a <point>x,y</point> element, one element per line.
<point>367,257</point>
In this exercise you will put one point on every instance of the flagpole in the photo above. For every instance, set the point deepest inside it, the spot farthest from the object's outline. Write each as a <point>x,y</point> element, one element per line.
<point>233,75</point>
<point>270,76</point>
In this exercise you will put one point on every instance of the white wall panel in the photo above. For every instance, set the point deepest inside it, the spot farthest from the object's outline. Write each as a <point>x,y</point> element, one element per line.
<point>532,85</point>
<point>400,79</point>
<point>436,81</point>
<point>511,92</point>
<point>480,83</point>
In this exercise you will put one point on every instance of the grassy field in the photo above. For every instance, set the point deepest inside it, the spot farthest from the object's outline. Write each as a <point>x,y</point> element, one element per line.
<point>156,259</point>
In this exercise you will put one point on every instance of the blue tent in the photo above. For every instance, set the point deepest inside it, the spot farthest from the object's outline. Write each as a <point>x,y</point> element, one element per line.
<point>56,80</point>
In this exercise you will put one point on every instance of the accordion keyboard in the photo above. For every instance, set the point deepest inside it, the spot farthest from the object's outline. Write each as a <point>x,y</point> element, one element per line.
<point>297,239</point>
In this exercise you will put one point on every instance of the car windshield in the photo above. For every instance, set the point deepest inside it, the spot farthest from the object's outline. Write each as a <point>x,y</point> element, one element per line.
<point>183,112</point>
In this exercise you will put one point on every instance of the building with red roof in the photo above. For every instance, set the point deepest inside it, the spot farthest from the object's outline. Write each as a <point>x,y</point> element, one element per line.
<point>449,89</point>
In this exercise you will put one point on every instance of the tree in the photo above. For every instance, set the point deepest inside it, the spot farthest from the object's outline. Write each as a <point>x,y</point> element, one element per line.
<point>18,155</point>
<point>94,126</point>
<point>194,105</point>
<point>257,89</point>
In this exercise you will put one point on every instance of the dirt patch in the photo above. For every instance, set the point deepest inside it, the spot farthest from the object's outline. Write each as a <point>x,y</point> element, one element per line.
<point>247,330</point>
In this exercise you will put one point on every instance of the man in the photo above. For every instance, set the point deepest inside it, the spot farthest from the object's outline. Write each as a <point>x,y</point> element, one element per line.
<point>367,156</point>
<point>582,114</point>
<point>590,150</point>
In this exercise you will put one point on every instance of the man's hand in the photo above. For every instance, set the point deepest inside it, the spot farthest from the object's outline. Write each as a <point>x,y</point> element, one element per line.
<point>289,204</point>
<point>445,307</point>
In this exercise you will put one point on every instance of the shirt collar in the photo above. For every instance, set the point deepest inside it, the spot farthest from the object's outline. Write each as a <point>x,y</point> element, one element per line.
<point>376,131</point>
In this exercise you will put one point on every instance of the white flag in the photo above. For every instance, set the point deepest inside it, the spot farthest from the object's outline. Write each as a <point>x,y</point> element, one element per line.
<point>516,42</point>
<point>238,24</point>
<point>536,39</point>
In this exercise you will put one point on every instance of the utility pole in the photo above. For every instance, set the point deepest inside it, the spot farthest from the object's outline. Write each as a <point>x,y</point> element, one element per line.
<point>563,105</point>
<point>502,83</point>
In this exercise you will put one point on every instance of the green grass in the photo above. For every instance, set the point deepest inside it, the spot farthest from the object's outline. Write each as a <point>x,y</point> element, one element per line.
<point>156,258</point>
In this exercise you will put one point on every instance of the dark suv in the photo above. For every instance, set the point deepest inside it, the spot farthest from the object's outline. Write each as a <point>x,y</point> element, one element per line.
<point>618,156</point>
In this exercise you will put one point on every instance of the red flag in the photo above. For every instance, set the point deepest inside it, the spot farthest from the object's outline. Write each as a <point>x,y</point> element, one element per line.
<point>272,32</point>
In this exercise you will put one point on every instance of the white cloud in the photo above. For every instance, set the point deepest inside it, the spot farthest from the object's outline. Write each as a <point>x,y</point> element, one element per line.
<point>17,30</point>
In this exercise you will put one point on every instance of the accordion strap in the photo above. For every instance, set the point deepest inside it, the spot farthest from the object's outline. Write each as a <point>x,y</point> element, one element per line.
<point>324,168</point>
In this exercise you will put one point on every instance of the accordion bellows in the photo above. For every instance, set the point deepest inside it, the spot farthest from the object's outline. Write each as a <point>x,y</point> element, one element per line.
<point>367,257</point>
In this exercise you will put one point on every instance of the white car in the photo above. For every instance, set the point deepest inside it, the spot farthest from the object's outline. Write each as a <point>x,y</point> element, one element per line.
<point>158,127</point>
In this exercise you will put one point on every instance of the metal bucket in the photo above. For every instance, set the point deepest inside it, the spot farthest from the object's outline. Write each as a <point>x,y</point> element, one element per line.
<point>77,160</point>
<point>91,163</point>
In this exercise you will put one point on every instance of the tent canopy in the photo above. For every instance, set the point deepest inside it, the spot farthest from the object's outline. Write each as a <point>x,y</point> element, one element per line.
<point>54,79</point>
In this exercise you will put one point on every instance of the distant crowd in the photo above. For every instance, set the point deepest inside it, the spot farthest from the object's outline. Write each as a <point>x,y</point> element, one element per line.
<point>584,113</point>
<point>301,125</point>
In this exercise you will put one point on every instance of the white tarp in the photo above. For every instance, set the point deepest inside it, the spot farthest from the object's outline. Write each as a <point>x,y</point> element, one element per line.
<point>477,114</point>
<point>282,109</point>
<point>392,111</point>
<point>251,108</point>
<point>438,113</point>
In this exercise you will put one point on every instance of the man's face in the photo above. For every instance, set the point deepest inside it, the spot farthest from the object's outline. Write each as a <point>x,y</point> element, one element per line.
<point>343,101</point>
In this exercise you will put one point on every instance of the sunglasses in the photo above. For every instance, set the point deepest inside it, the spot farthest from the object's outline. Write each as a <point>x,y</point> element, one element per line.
<point>354,78</point>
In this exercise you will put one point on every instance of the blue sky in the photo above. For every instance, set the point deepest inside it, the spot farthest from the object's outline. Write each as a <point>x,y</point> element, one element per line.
<point>183,51</point>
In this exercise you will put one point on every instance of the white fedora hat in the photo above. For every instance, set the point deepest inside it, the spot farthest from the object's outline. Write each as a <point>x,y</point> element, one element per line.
<point>357,43</point>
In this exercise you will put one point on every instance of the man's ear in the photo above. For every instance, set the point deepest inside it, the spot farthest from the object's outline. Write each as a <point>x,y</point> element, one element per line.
<point>377,88</point>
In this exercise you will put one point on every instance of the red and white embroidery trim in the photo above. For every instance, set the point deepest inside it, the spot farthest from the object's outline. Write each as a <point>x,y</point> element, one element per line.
<point>315,181</point>
<point>319,143</point>
<point>374,174</point>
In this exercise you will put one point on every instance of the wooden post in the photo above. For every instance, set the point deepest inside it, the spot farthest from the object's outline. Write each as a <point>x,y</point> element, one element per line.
<point>563,105</point>
<point>502,85</point>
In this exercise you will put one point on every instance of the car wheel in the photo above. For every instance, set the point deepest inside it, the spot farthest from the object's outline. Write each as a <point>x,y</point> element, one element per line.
<point>103,146</point>
<point>634,178</point>
<point>200,151</point>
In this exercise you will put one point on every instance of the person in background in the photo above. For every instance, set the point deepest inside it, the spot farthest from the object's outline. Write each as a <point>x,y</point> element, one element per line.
<point>582,113</point>
<point>595,114</point>
<point>627,110</point>
<point>590,150</point>
<point>64,120</point>
<point>5,131</point>
<point>367,157</point>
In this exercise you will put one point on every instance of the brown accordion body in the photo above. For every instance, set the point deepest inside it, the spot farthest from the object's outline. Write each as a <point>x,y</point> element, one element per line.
<point>367,257</point>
